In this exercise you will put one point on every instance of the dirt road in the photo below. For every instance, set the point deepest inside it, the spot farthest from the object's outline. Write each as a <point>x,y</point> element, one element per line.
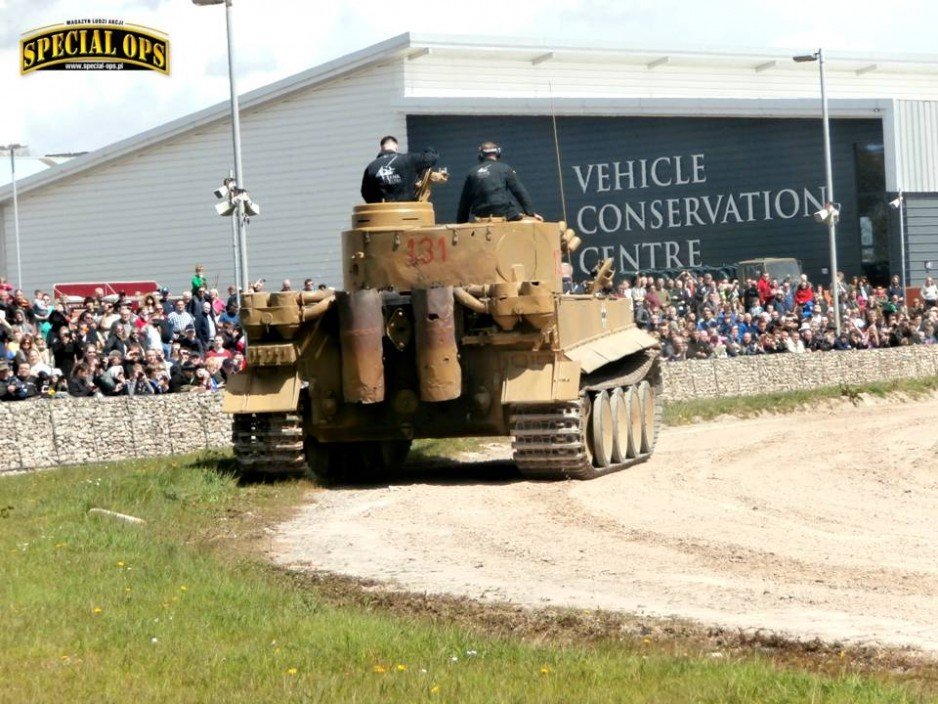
<point>810,525</point>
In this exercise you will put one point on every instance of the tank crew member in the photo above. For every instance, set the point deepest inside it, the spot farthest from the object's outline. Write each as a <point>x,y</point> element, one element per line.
<point>493,189</point>
<point>392,176</point>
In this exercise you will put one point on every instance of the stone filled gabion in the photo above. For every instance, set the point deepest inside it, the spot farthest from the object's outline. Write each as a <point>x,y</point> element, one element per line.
<point>67,431</point>
<point>49,432</point>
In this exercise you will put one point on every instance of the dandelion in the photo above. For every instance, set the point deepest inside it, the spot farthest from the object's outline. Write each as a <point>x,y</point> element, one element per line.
<point>841,654</point>
<point>545,670</point>
<point>401,668</point>
<point>292,671</point>
<point>120,563</point>
<point>435,689</point>
<point>154,640</point>
<point>60,545</point>
<point>126,589</point>
<point>97,610</point>
<point>379,669</point>
<point>646,641</point>
<point>183,588</point>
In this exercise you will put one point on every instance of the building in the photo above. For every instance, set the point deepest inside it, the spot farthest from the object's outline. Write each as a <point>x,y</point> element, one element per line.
<point>669,159</point>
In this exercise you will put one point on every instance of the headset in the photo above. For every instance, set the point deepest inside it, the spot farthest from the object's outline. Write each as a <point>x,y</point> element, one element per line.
<point>487,149</point>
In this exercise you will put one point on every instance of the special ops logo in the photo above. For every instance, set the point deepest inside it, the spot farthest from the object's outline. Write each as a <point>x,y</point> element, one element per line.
<point>95,45</point>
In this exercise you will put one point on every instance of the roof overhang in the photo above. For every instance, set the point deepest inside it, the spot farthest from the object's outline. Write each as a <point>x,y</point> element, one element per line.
<point>652,107</point>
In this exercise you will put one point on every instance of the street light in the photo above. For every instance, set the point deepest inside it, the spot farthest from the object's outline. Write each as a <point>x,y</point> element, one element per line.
<point>16,211</point>
<point>236,140</point>
<point>899,204</point>
<point>831,219</point>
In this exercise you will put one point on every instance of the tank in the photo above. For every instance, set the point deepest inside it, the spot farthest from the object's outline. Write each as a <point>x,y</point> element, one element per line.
<point>445,331</point>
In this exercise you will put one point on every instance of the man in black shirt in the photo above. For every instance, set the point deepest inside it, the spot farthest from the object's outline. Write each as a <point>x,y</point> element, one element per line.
<point>392,176</point>
<point>493,189</point>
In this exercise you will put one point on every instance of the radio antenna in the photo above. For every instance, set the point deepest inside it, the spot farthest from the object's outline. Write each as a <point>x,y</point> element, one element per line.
<point>553,118</point>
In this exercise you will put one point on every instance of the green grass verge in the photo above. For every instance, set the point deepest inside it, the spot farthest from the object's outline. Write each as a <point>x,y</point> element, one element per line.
<point>684,412</point>
<point>183,610</point>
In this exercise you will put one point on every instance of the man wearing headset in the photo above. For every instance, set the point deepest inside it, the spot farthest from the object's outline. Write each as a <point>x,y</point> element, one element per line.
<point>493,189</point>
<point>392,176</point>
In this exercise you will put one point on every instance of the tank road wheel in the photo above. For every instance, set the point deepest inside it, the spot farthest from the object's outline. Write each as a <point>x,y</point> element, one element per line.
<point>583,440</point>
<point>601,429</point>
<point>646,398</point>
<point>635,422</point>
<point>622,429</point>
<point>268,444</point>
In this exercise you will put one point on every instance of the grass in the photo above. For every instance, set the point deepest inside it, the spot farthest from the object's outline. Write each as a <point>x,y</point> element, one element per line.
<point>182,609</point>
<point>685,412</point>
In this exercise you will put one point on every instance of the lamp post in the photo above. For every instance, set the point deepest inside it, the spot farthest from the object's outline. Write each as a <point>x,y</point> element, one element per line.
<point>236,141</point>
<point>899,204</point>
<point>16,210</point>
<point>832,212</point>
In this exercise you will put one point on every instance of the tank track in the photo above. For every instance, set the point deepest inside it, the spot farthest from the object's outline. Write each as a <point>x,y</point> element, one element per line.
<point>268,443</point>
<point>549,440</point>
<point>274,444</point>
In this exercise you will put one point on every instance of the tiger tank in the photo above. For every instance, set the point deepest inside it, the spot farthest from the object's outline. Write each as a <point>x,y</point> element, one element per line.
<point>442,331</point>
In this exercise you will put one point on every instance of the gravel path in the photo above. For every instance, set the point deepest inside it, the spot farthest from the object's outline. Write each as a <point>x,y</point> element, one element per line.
<point>819,524</point>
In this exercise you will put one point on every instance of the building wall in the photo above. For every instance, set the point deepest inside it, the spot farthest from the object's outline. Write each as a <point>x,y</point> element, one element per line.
<point>149,215</point>
<point>916,124</point>
<point>921,222</point>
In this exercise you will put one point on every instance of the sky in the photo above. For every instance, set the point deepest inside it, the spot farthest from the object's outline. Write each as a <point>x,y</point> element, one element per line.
<point>63,111</point>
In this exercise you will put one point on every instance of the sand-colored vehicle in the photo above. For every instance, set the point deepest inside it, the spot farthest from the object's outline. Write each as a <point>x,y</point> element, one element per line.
<point>445,331</point>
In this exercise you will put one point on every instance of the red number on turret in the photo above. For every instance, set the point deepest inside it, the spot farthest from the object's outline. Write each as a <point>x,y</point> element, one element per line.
<point>425,251</point>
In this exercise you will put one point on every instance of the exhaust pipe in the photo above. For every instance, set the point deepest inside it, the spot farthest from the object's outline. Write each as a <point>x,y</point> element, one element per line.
<point>361,329</point>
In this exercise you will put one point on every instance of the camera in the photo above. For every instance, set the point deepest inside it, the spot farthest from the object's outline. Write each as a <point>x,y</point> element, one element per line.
<point>828,214</point>
<point>222,191</point>
<point>225,208</point>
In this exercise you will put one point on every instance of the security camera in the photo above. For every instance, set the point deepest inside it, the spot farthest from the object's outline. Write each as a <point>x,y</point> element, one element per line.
<point>827,214</point>
<point>251,208</point>
<point>224,208</point>
<point>896,203</point>
<point>222,191</point>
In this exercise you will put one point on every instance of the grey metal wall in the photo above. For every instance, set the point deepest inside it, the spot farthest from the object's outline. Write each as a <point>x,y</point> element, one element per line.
<point>921,235</point>
<point>916,127</point>
<point>751,162</point>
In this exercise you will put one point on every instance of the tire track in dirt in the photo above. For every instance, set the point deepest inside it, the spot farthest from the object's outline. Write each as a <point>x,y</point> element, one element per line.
<point>811,525</point>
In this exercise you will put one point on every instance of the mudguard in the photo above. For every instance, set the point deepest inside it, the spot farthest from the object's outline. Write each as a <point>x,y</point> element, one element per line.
<point>262,390</point>
<point>595,353</point>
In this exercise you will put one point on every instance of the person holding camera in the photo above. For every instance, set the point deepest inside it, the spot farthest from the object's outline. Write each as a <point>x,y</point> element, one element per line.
<point>22,386</point>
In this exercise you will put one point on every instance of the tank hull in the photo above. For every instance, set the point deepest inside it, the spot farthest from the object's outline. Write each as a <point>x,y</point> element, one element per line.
<point>471,337</point>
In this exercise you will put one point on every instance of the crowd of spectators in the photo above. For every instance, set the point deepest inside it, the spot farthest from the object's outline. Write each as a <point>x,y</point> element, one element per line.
<point>701,317</point>
<point>120,345</point>
<point>156,343</point>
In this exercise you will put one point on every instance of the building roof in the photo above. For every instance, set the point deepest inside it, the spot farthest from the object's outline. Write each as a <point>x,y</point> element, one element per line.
<point>525,50</point>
